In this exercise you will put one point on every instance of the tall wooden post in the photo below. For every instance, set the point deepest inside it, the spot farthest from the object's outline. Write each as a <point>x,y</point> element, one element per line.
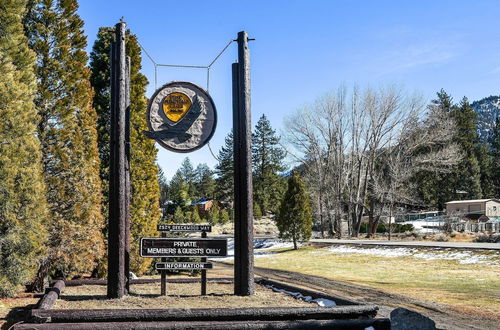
<point>119,180</point>
<point>242,153</point>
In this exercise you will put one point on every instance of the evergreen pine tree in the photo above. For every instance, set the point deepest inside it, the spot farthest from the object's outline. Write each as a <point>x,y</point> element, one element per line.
<point>213,214</point>
<point>23,207</point>
<point>195,216</point>
<point>189,175</point>
<point>224,171</point>
<point>268,158</point>
<point>223,216</point>
<point>179,191</point>
<point>179,216</point>
<point>164,189</point>
<point>145,188</point>
<point>494,140</point>
<point>68,136</point>
<point>435,189</point>
<point>468,172</point>
<point>204,181</point>
<point>294,219</point>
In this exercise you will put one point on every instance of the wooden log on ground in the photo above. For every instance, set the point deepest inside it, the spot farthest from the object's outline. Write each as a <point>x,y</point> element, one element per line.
<point>377,324</point>
<point>49,299</point>
<point>305,292</point>
<point>205,314</point>
<point>226,280</point>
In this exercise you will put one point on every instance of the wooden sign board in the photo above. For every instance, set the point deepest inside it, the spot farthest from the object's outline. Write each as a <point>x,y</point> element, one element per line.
<point>184,247</point>
<point>185,227</point>
<point>182,265</point>
<point>181,117</point>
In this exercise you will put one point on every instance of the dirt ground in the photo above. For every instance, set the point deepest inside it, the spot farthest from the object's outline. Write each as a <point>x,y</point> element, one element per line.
<point>444,317</point>
<point>178,296</point>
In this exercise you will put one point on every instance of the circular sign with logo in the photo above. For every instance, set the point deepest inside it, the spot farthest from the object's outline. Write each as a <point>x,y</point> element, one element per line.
<point>181,116</point>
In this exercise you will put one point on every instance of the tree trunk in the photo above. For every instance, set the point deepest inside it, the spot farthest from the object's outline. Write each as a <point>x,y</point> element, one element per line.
<point>41,278</point>
<point>321,220</point>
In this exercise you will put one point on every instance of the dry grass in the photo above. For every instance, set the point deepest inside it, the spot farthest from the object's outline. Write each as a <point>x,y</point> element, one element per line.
<point>17,306</point>
<point>472,288</point>
<point>179,296</point>
<point>264,226</point>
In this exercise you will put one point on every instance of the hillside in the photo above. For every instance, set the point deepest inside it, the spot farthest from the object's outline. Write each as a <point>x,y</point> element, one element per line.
<point>487,109</point>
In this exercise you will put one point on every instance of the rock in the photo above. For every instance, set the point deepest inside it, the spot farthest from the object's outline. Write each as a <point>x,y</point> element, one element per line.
<point>405,319</point>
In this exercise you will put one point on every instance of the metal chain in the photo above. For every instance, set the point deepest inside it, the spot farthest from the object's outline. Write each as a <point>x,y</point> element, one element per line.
<point>156,65</point>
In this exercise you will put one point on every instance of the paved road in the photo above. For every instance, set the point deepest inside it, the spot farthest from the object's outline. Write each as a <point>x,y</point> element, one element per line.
<point>453,245</point>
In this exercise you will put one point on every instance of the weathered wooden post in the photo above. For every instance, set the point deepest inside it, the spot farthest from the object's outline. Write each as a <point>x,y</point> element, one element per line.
<point>204,272</point>
<point>243,197</point>
<point>119,180</point>
<point>163,273</point>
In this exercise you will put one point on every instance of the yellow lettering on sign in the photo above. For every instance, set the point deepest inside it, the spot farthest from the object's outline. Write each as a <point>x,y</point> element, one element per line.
<point>176,105</point>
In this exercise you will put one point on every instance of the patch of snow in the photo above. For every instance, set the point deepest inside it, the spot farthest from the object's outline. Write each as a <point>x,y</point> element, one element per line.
<point>463,257</point>
<point>370,328</point>
<point>260,246</point>
<point>320,301</point>
<point>325,302</point>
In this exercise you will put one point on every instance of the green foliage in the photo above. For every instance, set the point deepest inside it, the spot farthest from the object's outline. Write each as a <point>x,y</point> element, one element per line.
<point>195,216</point>
<point>257,213</point>
<point>68,136</point>
<point>267,155</point>
<point>224,171</point>
<point>468,172</point>
<point>179,216</point>
<point>294,219</point>
<point>224,217</point>
<point>189,176</point>
<point>164,189</point>
<point>395,228</point>
<point>179,191</point>
<point>494,140</point>
<point>213,214</point>
<point>145,187</point>
<point>23,207</point>
<point>204,182</point>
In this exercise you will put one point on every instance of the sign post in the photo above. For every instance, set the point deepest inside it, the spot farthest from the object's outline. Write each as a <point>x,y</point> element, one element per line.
<point>204,272</point>
<point>119,171</point>
<point>163,273</point>
<point>242,153</point>
<point>184,247</point>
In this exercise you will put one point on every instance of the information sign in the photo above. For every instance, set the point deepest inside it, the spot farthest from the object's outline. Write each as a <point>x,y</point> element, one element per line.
<point>184,247</point>
<point>185,227</point>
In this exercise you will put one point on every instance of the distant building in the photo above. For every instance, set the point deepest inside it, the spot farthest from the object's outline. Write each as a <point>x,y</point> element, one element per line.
<point>203,205</point>
<point>481,210</point>
<point>415,216</point>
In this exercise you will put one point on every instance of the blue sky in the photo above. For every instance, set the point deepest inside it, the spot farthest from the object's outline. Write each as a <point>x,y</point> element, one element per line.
<point>304,49</point>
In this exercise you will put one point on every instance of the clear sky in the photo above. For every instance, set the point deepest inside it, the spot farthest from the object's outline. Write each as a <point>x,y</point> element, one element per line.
<point>304,49</point>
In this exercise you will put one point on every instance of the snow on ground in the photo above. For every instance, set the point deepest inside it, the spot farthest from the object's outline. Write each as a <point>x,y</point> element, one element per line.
<point>261,247</point>
<point>463,257</point>
<point>320,301</point>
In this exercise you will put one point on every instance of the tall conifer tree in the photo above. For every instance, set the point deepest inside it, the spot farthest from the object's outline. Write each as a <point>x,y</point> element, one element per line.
<point>468,171</point>
<point>435,189</point>
<point>23,208</point>
<point>494,140</point>
<point>294,219</point>
<point>268,157</point>
<point>224,171</point>
<point>68,136</point>
<point>144,207</point>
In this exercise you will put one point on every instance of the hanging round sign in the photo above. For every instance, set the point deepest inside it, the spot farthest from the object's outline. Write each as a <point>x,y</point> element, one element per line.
<point>181,116</point>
